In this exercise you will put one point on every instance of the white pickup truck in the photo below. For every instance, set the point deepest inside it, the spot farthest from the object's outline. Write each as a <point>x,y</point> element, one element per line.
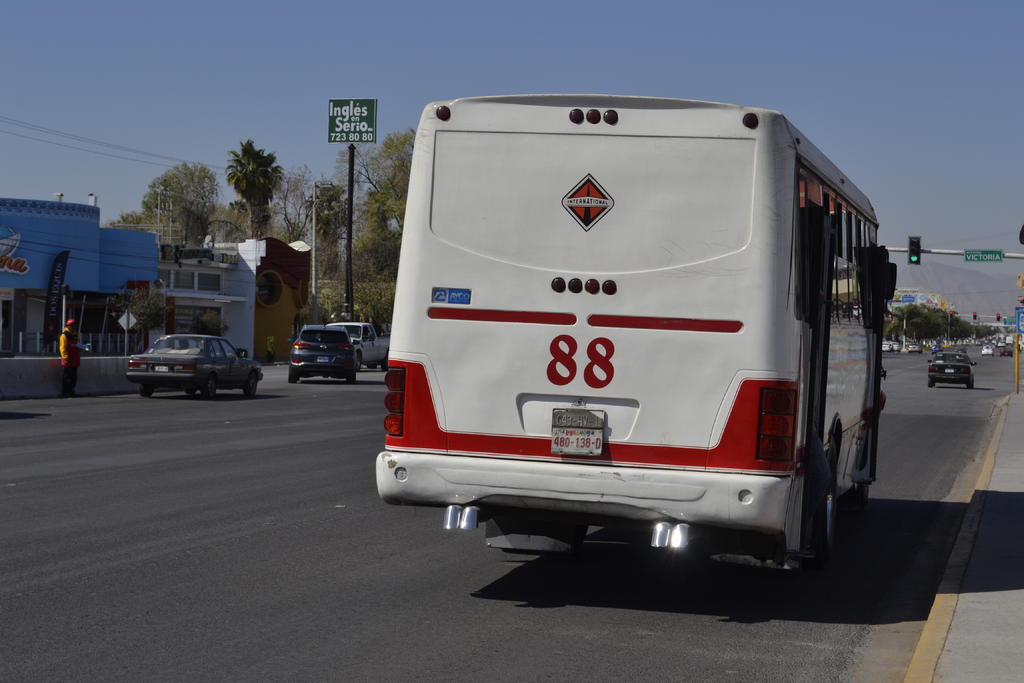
<point>371,348</point>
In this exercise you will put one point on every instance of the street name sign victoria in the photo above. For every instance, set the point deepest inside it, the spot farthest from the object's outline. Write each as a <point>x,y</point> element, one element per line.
<point>352,121</point>
<point>983,254</point>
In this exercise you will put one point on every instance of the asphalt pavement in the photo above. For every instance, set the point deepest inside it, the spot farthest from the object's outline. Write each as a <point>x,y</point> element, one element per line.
<point>243,539</point>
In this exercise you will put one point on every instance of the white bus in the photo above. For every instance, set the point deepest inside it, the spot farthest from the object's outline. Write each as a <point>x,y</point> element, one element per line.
<point>633,312</point>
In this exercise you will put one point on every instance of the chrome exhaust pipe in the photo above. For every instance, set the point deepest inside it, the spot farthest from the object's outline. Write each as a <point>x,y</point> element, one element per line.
<point>452,513</point>
<point>468,520</point>
<point>659,539</point>
<point>675,536</point>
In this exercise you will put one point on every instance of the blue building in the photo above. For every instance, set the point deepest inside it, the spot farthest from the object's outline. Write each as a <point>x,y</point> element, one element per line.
<point>100,263</point>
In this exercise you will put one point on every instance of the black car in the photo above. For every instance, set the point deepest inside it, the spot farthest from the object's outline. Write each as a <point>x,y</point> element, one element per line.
<point>321,351</point>
<point>193,363</point>
<point>951,367</point>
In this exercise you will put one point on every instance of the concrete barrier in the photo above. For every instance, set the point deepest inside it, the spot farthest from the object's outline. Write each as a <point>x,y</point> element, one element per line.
<point>40,377</point>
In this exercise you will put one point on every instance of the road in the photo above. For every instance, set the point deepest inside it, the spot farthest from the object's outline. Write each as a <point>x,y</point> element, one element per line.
<point>242,539</point>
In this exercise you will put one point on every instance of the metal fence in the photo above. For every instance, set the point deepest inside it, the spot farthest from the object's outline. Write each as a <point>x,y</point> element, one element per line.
<point>110,344</point>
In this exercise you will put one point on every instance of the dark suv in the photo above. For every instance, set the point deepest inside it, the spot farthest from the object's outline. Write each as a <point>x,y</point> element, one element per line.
<point>321,351</point>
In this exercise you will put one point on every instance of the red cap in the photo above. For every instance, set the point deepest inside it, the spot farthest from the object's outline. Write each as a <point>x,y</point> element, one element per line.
<point>71,321</point>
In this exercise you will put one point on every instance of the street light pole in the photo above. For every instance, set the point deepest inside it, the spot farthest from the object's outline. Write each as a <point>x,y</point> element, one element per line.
<point>315,319</point>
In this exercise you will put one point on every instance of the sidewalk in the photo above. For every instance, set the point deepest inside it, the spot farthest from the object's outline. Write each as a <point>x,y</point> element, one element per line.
<point>986,638</point>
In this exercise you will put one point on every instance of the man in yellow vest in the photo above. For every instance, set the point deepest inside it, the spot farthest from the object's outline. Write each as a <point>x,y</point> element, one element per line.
<point>69,359</point>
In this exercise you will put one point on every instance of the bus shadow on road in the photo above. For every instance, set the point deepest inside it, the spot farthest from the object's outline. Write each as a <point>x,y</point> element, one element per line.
<point>886,570</point>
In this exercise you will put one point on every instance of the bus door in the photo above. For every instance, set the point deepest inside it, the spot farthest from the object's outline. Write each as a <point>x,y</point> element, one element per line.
<point>879,281</point>
<point>816,258</point>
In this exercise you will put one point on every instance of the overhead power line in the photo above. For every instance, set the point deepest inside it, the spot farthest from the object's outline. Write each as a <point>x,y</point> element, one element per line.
<point>83,149</point>
<point>90,141</point>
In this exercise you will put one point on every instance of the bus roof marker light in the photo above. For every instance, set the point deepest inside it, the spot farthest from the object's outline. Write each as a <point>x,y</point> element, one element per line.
<point>576,116</point>
<point>593,116</point>
<point>611,117</point>
<point>609,287</point>
<point>592,286</point>
<point>750,121</point>
<point>575,285</point>
<point>558,284</point>
<point>444,112</point>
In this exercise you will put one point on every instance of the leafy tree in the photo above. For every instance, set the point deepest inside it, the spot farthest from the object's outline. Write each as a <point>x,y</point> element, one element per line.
<point>185,196</point>
<point>255,175</point>
<point>210,322</point>
<point>131,218</point>
<point>147,306</point>
<point>384,174</point>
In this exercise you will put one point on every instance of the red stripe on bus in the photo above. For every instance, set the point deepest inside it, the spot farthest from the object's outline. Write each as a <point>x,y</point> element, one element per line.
<point>736,449</point>
<point>639,322</point>
<point>498,316</point>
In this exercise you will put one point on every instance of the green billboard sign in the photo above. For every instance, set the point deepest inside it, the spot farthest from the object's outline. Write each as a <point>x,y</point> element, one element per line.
<point>352,121</point>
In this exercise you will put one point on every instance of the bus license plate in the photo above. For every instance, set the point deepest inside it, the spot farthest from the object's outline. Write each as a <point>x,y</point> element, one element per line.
<point>950,371</point>
<point>576,431</point>
<point>161,368</point>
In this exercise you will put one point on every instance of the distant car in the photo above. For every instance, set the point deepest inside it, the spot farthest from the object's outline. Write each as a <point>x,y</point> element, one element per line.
<point>936,348</point>
<point>371,348</point>
<point>1006,351</point>
<point>193,363</point>
<point>987,350</point>
<point>887,346</point>
<point>951,367</point>
<point>914,348</point>
<point>321,351</point>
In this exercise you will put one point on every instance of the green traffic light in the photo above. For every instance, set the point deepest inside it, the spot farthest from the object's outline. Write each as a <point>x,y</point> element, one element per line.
<point>915,258</point>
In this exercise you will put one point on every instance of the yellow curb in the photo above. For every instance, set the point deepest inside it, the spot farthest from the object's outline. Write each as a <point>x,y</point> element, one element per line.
<point>940,618</point>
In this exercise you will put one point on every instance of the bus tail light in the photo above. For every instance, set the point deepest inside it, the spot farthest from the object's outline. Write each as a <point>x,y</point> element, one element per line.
<point>394,401</point>
<point>776,424</point>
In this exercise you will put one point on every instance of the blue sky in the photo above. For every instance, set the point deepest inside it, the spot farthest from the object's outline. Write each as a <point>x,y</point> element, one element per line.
<point>920,103</point>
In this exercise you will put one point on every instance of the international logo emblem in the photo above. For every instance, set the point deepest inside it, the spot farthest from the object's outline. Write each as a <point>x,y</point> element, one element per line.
<point>588,202</point>
<point>9,263</point>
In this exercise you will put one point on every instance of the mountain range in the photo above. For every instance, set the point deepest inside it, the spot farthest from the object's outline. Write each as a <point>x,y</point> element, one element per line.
<point>968,289</point>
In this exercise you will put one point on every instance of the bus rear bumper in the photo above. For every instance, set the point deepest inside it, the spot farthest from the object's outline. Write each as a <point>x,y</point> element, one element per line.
<point>753,502</point>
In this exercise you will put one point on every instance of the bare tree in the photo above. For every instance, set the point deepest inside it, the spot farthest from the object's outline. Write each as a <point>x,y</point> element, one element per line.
<point>291,207</point>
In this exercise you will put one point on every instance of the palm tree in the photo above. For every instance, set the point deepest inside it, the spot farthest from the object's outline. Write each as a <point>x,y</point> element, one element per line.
<point>254,175</point>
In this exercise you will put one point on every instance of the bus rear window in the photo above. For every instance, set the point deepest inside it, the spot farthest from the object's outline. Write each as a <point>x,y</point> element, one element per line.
<point>666,201</point>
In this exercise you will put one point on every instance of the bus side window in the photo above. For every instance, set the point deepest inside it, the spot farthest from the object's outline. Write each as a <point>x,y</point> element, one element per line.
<point>810,243</point>
<point>838,265</point>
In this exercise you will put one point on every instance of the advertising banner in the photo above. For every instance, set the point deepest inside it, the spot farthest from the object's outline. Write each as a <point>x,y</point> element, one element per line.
<point>52,324</point>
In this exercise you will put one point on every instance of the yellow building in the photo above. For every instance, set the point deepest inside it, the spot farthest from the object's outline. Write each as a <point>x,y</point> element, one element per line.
<point>282,292</point>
